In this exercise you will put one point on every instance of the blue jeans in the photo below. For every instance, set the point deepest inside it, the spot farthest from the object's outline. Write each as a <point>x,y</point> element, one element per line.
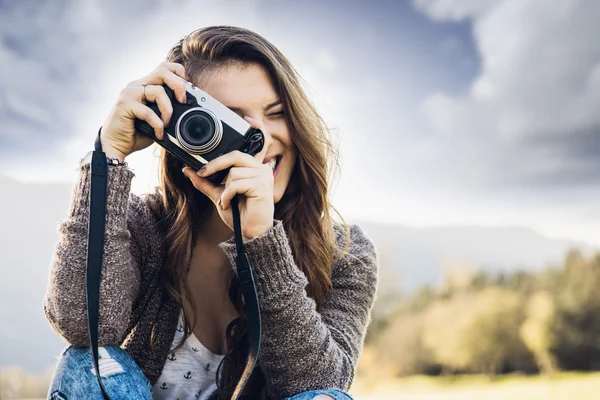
<point>123,379</point>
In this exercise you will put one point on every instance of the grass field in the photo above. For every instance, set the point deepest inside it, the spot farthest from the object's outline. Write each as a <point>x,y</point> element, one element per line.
<point>563,386</point>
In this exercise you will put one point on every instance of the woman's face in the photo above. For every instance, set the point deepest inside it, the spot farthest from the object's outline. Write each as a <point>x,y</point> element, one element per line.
<point>247,90</point>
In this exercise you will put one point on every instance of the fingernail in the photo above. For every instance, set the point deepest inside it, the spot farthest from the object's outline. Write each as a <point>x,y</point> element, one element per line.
<point>202,171</point>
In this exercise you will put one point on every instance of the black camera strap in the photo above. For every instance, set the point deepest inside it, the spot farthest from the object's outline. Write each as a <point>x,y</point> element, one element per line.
<point>244,272</point>
<point>96,230</point>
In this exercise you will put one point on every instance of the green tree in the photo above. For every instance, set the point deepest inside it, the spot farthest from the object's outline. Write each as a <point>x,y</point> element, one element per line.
<point>575,330</point>
<point>535,330</point>
<point>477,332</point>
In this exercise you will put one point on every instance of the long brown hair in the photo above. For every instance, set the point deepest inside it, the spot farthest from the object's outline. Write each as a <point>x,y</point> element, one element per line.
<point>304,208</point>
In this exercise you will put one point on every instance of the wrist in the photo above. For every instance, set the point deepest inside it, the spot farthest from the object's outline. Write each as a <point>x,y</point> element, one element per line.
<point>251,234</point>
<point>110,151</point>
<point>87,159</point>
<point>114,153</point>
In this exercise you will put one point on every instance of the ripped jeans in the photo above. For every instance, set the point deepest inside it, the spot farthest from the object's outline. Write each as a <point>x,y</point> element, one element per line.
<point>75,378</point>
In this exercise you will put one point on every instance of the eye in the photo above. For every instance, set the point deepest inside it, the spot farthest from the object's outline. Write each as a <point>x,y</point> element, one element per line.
<point>276,114</point>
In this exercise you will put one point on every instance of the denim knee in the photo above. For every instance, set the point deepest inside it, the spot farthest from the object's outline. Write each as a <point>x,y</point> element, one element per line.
<point>75,376</point>
<point>336,394</point>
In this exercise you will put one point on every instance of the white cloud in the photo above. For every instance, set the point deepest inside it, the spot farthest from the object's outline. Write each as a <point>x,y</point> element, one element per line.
<point>537,93</point>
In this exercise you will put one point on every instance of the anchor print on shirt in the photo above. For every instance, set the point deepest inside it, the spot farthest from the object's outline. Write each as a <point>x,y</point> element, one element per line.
<point>180,328</point>
<point>164,386</point>
<point>207,368</point>
<point>172,357</point>
<point>188,375</point>
<point>198,394</point>
<point>195,349</point>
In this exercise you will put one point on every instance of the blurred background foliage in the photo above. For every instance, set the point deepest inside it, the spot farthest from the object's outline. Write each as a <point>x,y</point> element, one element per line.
<point>483,323</point>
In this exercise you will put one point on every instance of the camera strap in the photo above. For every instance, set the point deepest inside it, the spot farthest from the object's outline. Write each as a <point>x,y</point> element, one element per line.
<point>95,253</point>
<point>244,272</point>
<point>96,230</point>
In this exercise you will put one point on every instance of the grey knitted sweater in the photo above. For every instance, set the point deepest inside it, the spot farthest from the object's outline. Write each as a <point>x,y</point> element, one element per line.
<point>301,349</point>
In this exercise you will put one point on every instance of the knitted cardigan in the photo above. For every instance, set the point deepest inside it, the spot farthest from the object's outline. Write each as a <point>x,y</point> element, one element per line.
<point>302,348</point>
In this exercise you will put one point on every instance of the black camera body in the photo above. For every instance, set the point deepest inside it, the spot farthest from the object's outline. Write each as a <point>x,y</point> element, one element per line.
<point>203,129</point>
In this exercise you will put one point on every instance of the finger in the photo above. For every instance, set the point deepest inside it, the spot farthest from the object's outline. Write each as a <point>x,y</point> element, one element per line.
<point>155,94</point>
<point>145,113</point>
<point>159,96</point>
<point>176,68</point>
<point>212,191</point>
<point>247,187</point>
<point>236,173</point>
<point>164,75</point>
<point>232,159</point>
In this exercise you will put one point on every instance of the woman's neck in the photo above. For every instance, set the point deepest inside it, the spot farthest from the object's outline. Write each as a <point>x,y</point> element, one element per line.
<point>213,230</point>
<point>209,263</point>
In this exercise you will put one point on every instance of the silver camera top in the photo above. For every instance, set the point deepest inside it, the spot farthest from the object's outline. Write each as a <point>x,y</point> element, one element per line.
<point>225,114</point>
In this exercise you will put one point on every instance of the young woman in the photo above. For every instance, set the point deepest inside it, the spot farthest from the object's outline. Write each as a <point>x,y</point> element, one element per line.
<point>172,323</point>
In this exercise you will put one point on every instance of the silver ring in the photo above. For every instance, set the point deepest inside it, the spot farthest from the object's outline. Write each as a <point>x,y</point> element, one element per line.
<point>144,92</point>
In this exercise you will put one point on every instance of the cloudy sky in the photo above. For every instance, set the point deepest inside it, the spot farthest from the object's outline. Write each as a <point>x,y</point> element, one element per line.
<point>479,112</point>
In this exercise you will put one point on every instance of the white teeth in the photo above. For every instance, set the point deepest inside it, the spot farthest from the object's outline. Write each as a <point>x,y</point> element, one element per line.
<point>273,163</point>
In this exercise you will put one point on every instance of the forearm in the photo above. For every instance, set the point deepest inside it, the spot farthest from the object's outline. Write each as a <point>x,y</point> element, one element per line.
<point>65,300</point>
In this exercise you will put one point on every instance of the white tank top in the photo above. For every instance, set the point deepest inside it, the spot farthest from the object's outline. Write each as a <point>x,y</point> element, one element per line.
<point>189,373</point>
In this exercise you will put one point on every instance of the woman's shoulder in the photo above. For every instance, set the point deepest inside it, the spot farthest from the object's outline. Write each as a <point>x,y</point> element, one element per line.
<point>354,276</point>
<point>352,235</point>
<point>356,248</point>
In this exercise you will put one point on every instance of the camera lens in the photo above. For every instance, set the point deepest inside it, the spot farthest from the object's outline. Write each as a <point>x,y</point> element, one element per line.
<point>199,130</point>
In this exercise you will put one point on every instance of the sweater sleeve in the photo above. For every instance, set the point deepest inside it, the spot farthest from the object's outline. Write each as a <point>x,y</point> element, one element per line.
<point>302,348</point>
<point>65,298</point>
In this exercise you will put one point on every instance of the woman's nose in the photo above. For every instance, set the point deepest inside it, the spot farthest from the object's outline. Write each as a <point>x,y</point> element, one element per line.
<point>267,135</point>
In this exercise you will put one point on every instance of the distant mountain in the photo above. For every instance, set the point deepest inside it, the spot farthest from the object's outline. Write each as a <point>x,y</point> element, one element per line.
<point>409,258</point>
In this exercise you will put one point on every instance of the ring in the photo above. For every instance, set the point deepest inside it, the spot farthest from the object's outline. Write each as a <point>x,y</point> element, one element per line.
<point>144,92</point>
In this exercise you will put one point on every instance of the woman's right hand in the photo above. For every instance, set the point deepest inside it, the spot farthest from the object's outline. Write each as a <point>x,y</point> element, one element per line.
<point>118,136</point>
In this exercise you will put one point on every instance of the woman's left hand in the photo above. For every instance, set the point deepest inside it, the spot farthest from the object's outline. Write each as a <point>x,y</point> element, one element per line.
<point>249,177</point>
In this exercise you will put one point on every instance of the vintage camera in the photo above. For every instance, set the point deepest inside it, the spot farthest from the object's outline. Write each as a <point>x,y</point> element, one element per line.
<point>202,129</point>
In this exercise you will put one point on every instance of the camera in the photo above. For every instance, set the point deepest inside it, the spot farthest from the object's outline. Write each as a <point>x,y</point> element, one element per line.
<point>203,129</point>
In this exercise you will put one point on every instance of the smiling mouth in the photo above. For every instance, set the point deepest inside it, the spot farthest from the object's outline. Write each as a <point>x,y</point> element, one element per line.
<point>274,163</point>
